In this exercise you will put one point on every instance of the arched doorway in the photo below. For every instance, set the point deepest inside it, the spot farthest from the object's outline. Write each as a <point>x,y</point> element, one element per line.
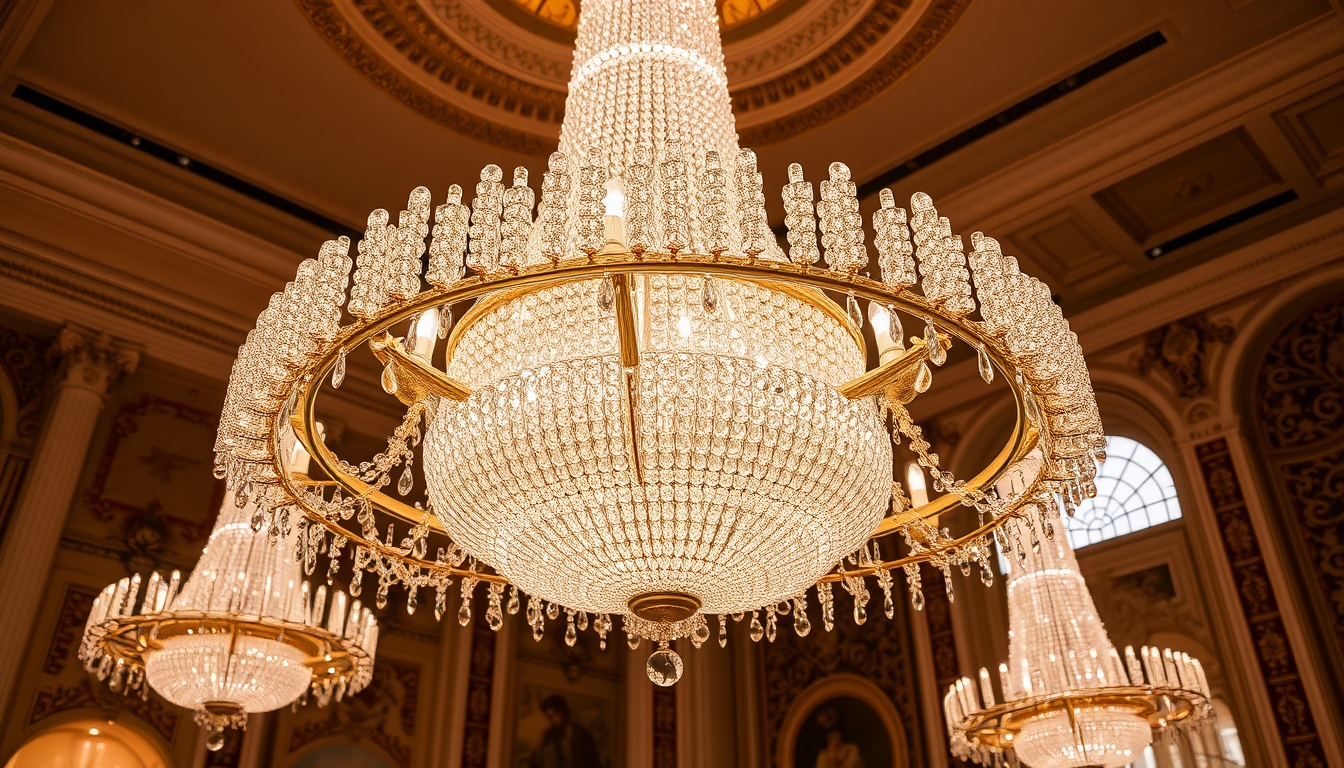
<point>90,743</point>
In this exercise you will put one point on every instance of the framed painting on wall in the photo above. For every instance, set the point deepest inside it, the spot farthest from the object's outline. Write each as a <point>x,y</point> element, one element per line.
<point>842,721</point>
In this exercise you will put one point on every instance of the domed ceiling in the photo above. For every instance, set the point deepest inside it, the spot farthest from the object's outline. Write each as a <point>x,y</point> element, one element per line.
<point>496,70</point>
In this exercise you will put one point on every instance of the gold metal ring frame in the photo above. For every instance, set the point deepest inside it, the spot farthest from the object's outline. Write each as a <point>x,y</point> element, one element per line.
<point>999,725</point>
<point>805,283</point>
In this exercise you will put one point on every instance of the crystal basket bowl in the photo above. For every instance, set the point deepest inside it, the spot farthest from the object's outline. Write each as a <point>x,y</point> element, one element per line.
<point>252,674</point>
<point>750,475</point>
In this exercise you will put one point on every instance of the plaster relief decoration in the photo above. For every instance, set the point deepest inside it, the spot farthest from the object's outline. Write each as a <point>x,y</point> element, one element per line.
<point>382,716</point>
<point>1278,666</point>
<point>497,70</point>
<point>1181,351</point>
<point>1299,401</point>
<point>152,497</point>
<point>63,686</point>
<point>1197,186</point>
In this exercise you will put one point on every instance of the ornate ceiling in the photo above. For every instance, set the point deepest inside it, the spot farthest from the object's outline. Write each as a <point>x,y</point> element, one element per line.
<point>496,70</point>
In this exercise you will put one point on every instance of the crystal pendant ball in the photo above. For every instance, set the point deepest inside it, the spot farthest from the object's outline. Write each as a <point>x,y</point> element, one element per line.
<point>753,474</point>
<point>664,667</point>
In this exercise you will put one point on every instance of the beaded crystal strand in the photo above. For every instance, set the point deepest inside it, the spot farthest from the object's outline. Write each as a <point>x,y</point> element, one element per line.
<point>892,239</point>
<point>450,240</point>
<point>407,243</point>
<point>369,294</point>
<point>486,210</point>
<point>751,205</point>
<point>554,211</point>
<point>841,224</point>
<point>592,190</point>
<point>517,224</point>
<point>674,200</point>
<point>942,263</point>
<point>800,219</point>
<point>639,210</point>
<point>713,195</point>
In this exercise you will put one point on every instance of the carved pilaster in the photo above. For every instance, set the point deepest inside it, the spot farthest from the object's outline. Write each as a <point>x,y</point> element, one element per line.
<point>87,364</point>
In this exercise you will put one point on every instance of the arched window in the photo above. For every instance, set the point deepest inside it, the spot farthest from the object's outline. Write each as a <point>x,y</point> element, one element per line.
<point>1134,491</point>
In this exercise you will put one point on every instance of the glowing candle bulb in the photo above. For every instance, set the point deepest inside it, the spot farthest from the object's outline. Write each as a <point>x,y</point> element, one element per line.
<point>914,481</point>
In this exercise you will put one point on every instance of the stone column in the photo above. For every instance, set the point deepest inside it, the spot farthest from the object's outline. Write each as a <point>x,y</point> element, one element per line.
<point>87,365</point>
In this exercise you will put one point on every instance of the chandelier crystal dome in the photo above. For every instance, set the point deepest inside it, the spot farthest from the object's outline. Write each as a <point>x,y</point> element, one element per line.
<point>1068,699</point>
<point>631,406</point>
<point>245,633</point>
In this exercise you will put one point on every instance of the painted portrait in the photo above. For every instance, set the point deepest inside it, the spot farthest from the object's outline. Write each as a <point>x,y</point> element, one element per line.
<point>561,729</point>
<point>842,721</point>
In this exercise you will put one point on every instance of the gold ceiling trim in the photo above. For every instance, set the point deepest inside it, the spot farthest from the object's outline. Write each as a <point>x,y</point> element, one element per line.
<point>404,50</point>
<point>404,25</point>
<point>917,44</point>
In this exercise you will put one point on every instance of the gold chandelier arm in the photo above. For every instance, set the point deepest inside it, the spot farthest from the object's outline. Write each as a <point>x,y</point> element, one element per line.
<point>625,321</point>
<point>416,378</point>
<point>899,373</point>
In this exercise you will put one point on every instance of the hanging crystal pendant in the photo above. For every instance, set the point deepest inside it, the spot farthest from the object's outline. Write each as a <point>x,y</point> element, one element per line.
<point>338,370</point>
<point>606,294</point>
<point>389,380</point>
<point>445,321</point>
<point>723,631</point>
<point>664,666</point>
<point>757,631</point>
<point>406,482</point>
<point>986,367</point>
<point>413,333</point>
<point>852,307</point>
<point>709,296</point>
<point>937,355</point>
<point>923,378</point>
<point>895,330</point>
<point>986,574</point>
<point>571,632</point>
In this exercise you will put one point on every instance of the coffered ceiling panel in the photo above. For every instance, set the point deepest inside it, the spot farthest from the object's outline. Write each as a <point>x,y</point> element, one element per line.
<point>1315,127</point>
<point>1067,249</point>
<point>1177,194</point>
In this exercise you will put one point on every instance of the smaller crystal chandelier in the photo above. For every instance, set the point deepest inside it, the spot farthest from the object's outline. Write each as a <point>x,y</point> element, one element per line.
<point>245,633</point>
<point>1067,698</point>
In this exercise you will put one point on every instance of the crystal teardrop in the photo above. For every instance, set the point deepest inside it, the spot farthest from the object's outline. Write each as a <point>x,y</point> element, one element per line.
<point>757,631</point>
<point>894,327</point>
<point>986,574</point>
<point>632,641</point>
<point>381,599</point>
<point>965,567</point>
<point>937,355</point>
<point>512,605</point>
<point>464,613</point>
<point>606,294</point>
<point>852,307</point>
<point>445,321</point>
<point>338,371</point>
<point>406,482</point>
<point>860,613</point>
<point>723,632</point>
<point>888,605</point>
<point>412,600</point>
<point>571,632</point>
<point>413,333</point>
<point>701,633</point>
<point>583,620</point>
<point>917,598</point>
<point>923,378</point>
<point>709,296</point>
<point>986,367</point>
<point>389,380</point>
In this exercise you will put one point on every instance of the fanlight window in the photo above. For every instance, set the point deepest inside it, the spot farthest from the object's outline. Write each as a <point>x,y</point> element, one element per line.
<point>1134,491</point>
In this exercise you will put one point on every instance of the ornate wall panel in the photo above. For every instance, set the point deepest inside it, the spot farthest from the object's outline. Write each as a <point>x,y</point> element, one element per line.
<point>879,651</point>
<point>1260,607</point>
<point>1299,417</point>
<point>24,369</point>
<point>383,714</point>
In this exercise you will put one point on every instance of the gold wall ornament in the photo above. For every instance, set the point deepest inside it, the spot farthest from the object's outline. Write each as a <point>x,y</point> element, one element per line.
<point>664,421</point>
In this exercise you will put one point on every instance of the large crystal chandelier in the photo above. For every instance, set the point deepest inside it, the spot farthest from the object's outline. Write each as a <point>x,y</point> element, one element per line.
<point>643,408</point>
<point>245,633</point>
<point>1068,699</point>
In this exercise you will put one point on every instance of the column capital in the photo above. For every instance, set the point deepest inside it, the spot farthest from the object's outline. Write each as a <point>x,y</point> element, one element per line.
<point>89,359</point>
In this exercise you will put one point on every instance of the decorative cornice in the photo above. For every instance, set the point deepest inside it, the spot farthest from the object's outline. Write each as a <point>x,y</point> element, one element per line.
<point>100,295</point>
<point>90,360</point>
<point>448,64</point>
<point>437,56</point>
<point>924,36</point>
